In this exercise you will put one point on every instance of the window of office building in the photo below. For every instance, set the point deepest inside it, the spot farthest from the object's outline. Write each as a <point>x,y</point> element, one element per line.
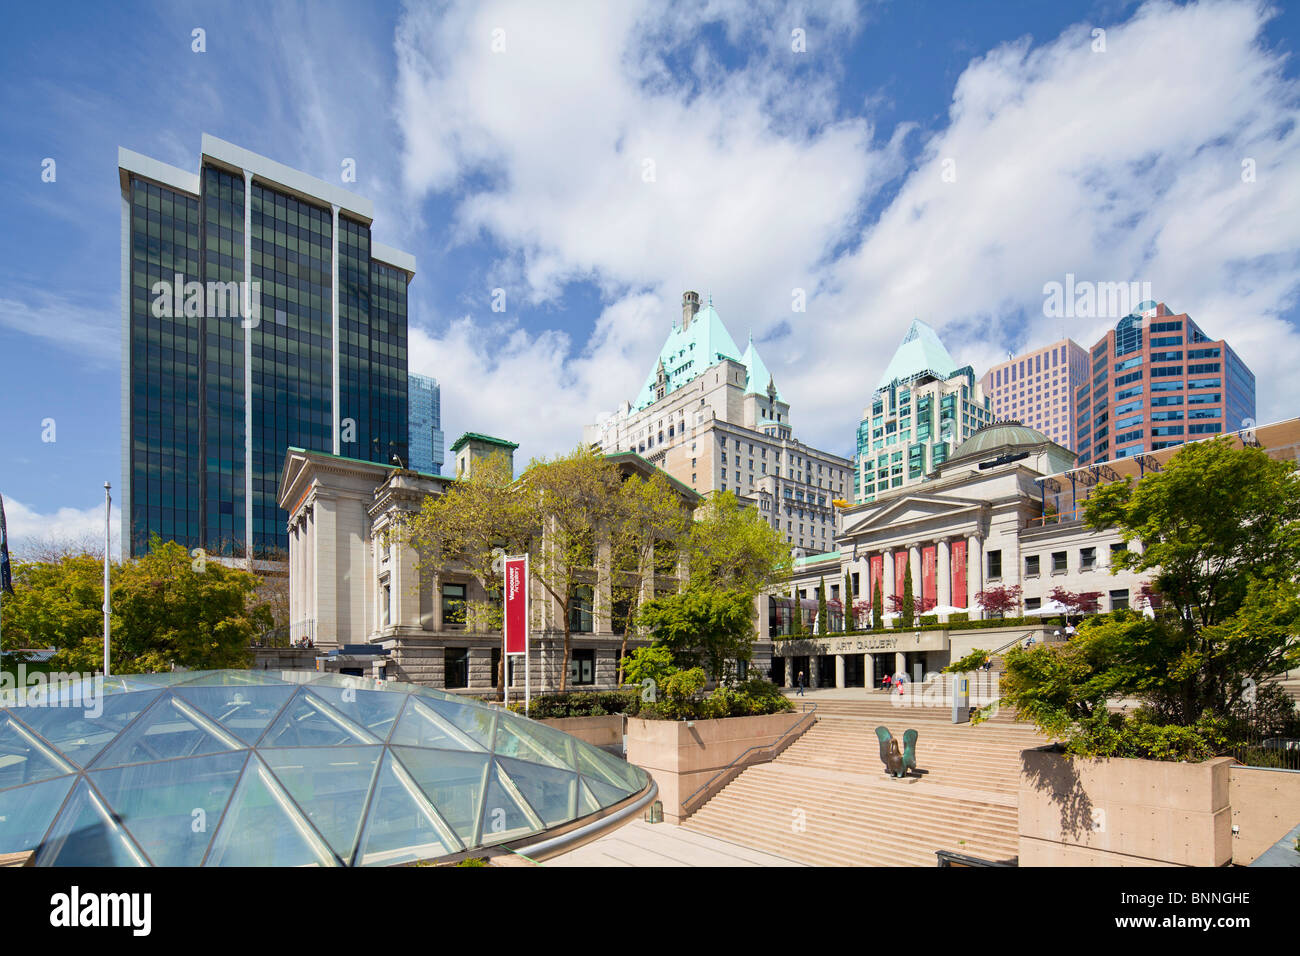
<point>1059,563</point>
<point>1118,599</point>
<point>1031,566</point>
<point>1087,558</point>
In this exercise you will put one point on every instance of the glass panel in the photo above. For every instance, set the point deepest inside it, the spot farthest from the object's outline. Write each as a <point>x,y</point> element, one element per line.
<point>308,721</point>
<point>402,825</point>
<point>244,711</point>
<point>516,739</point>
<point>453,781</point>
<point>81,733</point>
<point>163,732</point>
<point>26,813</point>
<point>605,794</point>
<point>208,678</point>
<point>85,834</point>
<point>373,709</point>
<point>503,816</point>
<point>172,807</point>
<point>552,793</point>
<point>587,802</point>
<point>23,759</point>
<point>262,828</point>
<point>421,726</point>
<point>477,720</point>
<point>330,785</point>
<point>557,746</point>
<point>596,763</point>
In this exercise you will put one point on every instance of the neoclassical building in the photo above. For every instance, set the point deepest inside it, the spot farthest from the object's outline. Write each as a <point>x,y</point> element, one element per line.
<point>361,595</point>
<point>1005,509</point>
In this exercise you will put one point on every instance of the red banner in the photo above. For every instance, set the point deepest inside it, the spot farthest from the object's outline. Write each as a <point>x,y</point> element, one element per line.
<point>516,605</point>
<point>877,577</point>
<point>901,570</point>
<point>959,598</point>
<point>929,576</point>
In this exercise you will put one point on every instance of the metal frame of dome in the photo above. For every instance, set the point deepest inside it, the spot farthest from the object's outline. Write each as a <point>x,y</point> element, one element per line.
<point>291,768</point>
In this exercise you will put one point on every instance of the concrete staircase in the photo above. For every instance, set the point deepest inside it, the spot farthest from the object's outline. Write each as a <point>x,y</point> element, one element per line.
<point>827,800</point>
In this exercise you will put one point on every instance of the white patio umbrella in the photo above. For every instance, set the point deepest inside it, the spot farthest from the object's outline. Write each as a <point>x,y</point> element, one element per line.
<point>1050,609</point>
<point>947,609</point>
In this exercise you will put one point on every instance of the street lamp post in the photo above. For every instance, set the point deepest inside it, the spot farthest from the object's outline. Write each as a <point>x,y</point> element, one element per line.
<point>108,507</point>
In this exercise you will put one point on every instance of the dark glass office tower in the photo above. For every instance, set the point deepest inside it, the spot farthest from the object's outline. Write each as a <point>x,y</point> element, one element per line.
<point>215,392</point>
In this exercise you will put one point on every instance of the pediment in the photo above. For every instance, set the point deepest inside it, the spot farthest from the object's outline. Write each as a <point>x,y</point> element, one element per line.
<point>913,509</point>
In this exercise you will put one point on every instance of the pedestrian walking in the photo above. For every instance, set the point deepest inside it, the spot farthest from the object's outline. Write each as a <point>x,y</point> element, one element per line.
<point>800,684</point>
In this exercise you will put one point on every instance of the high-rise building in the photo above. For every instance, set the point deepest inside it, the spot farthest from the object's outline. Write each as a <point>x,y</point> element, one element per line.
<point>220,376</point>
<point>1158,381</point>
<point>923,408</point>
<point>1037,389</point>
<point>712,417</point>
<point>427,443</point>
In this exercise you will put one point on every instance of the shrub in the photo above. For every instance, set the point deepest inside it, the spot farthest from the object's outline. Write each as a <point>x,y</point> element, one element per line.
<point>581,704</point>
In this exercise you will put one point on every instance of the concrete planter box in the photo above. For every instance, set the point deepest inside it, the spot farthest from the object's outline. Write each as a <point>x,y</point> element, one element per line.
<point>682,755</point>
<point>1123,812</point>
<point>605,732</point>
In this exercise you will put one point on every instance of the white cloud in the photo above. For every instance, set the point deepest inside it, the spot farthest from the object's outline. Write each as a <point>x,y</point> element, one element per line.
<point>91,332</point>
<point>1115,166</point>
<point>29,529</point>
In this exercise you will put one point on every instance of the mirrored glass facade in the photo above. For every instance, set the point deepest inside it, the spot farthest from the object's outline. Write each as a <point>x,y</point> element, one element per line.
<point>186,462</point>
<point>270,768</point>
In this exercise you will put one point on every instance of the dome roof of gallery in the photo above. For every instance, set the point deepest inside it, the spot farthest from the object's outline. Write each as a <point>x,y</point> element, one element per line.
<point>285,768</point>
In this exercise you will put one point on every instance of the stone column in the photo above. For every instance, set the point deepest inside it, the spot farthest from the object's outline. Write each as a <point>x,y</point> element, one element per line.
<point>944,573</point>
<point>900,662</point>
<point>914,569</point>
<point>814,670</point>
<point>887,586</point>
<point>868,672</point>
<point>789,670</point>
<point>839,671</point>
<point>974,573</point>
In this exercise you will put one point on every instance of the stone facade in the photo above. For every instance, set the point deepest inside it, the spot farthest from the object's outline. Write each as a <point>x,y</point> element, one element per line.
<point>354,582</point>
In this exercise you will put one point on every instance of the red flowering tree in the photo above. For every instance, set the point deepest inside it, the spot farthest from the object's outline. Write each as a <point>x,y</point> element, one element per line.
<point>997,601</point>
<point>1077,603</point>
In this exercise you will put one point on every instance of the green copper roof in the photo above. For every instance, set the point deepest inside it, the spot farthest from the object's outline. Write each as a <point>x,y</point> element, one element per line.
<point>920,351</point>
<point>688,352</point>
<point>759,376</point>
<point>486,439</point>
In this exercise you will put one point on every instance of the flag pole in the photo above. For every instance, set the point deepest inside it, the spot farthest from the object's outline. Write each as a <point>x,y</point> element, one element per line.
<point>108,507</point>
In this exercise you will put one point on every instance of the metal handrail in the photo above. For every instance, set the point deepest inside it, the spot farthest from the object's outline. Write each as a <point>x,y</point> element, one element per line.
<point>728,767</point>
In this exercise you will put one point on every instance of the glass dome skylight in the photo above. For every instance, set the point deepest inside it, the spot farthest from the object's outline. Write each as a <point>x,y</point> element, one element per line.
<point>285,768</point>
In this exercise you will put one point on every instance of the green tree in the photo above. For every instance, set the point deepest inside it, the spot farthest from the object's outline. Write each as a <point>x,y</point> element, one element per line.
<point>733,548</point>
<point>703,627</point>
<point>56,603</point>
<point>850,615</point>
<point>1218,527</point>
<point>821,606</point>
<point>650,525</point>
<point>796,614</point>
<point>165,612</point>
<point>877,607</point>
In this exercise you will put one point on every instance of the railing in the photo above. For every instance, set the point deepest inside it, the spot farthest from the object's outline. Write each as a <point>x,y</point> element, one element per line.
<point>287,635</point>
<point>731,768</point>
<point>1059,517</point>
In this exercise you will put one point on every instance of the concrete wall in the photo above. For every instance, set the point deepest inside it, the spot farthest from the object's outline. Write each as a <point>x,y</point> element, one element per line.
<point>1265,807</point>
<point>605,732</point>
<point>1123,812</point>
<point>683,755</point>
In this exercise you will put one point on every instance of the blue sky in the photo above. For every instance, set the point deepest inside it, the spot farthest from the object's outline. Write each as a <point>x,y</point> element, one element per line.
<point>507,145</point>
